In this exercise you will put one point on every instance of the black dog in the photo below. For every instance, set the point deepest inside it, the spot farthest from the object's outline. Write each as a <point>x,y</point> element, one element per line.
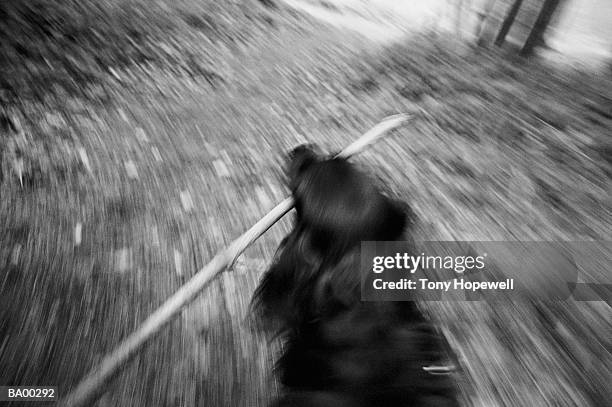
<point>340,351</point>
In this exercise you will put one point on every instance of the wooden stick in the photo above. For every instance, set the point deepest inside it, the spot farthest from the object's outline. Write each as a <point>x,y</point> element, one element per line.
<point>91,387</point>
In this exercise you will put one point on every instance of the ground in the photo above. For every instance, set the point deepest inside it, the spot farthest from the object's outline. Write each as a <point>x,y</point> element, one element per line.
<point>138,141</point>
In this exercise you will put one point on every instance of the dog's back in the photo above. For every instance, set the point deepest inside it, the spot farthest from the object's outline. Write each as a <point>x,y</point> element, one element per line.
<point>339,350</point>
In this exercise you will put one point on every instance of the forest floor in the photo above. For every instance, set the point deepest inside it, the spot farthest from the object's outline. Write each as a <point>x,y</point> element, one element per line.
<point>139,138</point>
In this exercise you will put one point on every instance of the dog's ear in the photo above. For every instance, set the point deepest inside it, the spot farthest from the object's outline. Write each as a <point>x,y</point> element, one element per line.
<point>299,160</point>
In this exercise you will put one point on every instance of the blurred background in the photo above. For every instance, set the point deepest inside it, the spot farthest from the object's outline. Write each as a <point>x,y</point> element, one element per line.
<point>139,137</point>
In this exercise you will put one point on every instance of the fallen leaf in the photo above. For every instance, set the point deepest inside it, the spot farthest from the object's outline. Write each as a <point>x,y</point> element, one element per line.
<point>141,135</point>
<point>186,201</point>
<point>178,262</point>
<point>221,168</point>
<point>131,170</point>
<point>156,154</point>
<point>15,254</point>
<point>84,158</point>
<point>78,229</point>
<point>122,257</point>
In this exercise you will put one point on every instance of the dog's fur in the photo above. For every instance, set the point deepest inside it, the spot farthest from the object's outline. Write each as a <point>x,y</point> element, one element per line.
<point>340,351</point>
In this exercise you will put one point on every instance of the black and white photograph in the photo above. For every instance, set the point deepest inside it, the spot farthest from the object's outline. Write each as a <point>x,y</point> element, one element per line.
<point>306,203</point>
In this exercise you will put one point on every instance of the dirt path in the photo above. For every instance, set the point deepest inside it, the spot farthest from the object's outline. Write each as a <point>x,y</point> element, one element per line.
<point>156,182</point>
<point>378,21</point>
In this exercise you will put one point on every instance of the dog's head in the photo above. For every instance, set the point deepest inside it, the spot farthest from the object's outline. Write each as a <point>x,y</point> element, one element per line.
<point>339,204</point>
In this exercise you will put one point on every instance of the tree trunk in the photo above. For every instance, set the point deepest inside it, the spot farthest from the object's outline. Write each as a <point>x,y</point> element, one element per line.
<point>458,12</point>
<point>537,32</point>
<point>481,25</point>
<point>508,21</point>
